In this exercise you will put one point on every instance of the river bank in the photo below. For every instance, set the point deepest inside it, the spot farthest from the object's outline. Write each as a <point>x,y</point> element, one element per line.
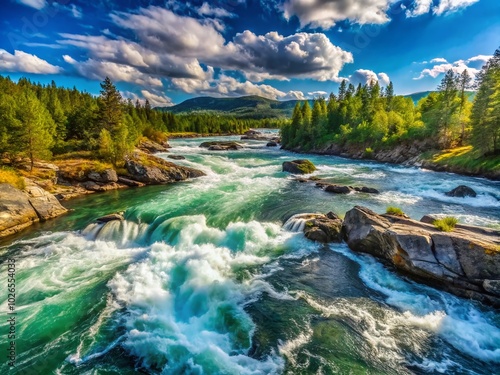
<point>419,154</point>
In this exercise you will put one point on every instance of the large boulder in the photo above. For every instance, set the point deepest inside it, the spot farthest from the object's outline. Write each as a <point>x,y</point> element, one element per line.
<point>221,145</point>
<point>465,262</point>
<point>324,228</point>
<point>45,204</point>
<point>153,170</point>
<point>106,176</point>
<point>299,167</point>
<point>16,212</point>
<point>337,189</point>
<point>462,191</point>
<point>150,147</point>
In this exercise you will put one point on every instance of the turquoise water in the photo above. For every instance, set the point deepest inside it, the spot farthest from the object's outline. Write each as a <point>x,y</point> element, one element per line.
<point>203,278</point>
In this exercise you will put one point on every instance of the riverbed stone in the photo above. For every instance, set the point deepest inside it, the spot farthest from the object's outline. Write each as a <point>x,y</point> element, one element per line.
<point>462,191</point>
<point>299,166</point>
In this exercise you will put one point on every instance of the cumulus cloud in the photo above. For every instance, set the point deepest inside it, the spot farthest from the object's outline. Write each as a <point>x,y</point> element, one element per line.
<point>365,76</point>
<point>438,60</point>
<point>450,6</point>
<point>24,62</point>
<point>326,13</point>
<point>421,7</point>
<point>458,67</point>
<point>37,4</point>
<point>207,10</point>
<point>294,95</point>
<point>316,94</point>
<point>157,100</point>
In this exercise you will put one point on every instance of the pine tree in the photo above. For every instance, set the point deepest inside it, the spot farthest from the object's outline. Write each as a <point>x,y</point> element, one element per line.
<point>463,84</point>
<point>389,96</point>
<point>448,105</point>
<point>110,108</point>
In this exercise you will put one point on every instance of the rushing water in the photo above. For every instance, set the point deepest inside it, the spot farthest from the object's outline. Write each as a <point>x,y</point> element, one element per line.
<point>204,278</point>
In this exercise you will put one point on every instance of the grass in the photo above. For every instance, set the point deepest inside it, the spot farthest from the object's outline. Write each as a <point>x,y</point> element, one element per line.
<point>395,211</point>
<point>467,159</point>
<point>77,169</point>
<point>11,177</point>
<point>446,224</point>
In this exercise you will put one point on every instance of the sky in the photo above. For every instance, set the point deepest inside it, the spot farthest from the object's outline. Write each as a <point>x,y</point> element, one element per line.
<point>169,51</point>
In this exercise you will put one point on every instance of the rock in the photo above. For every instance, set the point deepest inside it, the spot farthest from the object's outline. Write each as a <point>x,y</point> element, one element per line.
<point>150,147</point>
<point>111,217</point>
<point>462,191</point>
<point>153,170</point>
<point>337,189</point>
<point>45,204</point>
<point>367,190</point>
<point>299,167</point>
<point>324,228</point>
<point>109,175</point>
<point>221,145</point>
<point>16,212</point>
<point>272,144</point>
<point>131,183</point>
<point>465,262</point>
<point>176,157</point>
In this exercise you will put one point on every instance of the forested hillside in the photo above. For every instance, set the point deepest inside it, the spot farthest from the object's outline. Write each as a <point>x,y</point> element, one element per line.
<point>38,121</point>
<point>373,117</point>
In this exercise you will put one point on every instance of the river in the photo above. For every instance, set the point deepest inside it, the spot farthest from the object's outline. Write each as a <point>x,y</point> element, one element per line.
<point>204,278</point>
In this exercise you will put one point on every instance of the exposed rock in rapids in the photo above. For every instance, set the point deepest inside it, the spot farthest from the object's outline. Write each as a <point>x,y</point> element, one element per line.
<point>462,191</point>
<point>465,261</point>
<point>272,144</point>
<point>299,167</point>
<point>152,170</point>
<point>324,228</point>
<point>367,190</point>
<point>337,189</point>
<point>176,157</point>
<point>221,145</point>
<point>111,217</point>
<point>342,189</point>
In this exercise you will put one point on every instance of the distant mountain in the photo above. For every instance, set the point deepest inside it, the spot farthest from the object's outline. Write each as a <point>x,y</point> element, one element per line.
<point>254,107</point>
<point>419,95</point>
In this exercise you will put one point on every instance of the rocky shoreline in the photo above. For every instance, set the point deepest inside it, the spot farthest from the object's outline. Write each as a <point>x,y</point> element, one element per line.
<point>41,199</point>
<point>464,262</point>
<point>409,154</point>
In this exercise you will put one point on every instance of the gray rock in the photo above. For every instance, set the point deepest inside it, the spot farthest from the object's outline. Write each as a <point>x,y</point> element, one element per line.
<point>462,191</point>
<point>129,182</point>
<point>111,217</point>
<point>460,261</point>
<point>176,157</point>
<point>221,145</point>
<point>272,144</point>
<point>299,167</point>
<point>337,189</point>
<point>323,228</point>
<point>16,212</point>
<point>46,205</point>
<point>109,175</point>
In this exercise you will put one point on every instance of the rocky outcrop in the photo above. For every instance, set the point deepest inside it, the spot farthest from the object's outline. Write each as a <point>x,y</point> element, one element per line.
<point>323,228</point>
<point>176,157</point>
<point>20,209</point>
<point>150,147</point>
<point>221,145</point>
<point>299,167</point>
<point>462,191</point>
<point>259,136</point>
<point>16,212</point>
<point>111,217</point>
<point>151,170</point>
<point>107,176</point>
<point>45,204</point>
<point>272,144</point>
<point>465,262</point>
<point>342,189</point>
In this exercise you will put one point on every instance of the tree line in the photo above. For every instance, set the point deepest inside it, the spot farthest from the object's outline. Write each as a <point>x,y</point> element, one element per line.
<point>371,116</point>
<point>38,121</point>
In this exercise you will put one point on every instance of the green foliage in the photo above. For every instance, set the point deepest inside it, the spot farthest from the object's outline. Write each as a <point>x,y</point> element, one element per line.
<point>395,211</point>
<point>446,224</point>
<point>306,167</point>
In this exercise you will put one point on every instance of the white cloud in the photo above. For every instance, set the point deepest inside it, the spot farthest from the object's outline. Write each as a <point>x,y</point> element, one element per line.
<point>294,95</point>
<point>76,11</point>
<point>207,10</point>
<point>37,4</point>
<point>450,6</point>
<point>438,60</point>
<point>26,63</point>
<point>365,76</point>
<point>458,67</point>
<point>419,7</point>
<point>316,94</point>
<point>326,13</point>
<point>157,100</point>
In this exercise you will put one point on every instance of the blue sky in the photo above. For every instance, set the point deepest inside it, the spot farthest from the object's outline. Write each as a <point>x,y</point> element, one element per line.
<point>168,51</point>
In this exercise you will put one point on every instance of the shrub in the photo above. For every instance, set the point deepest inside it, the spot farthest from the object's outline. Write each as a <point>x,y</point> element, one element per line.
<point>306,167</point>
<point>446,224</point>
<point>368,152</point>
<point>395,211</point>
<point>9,176</point>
